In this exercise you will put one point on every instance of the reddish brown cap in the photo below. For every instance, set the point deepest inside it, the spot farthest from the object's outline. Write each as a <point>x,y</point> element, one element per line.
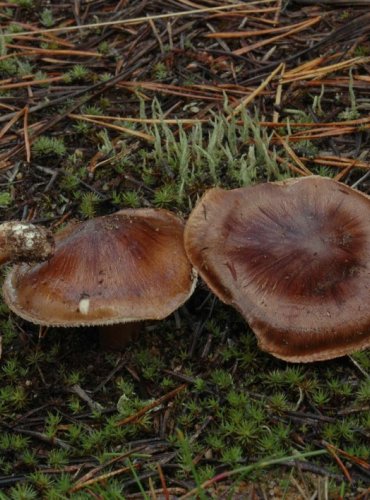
<point>294,258</point>
<point>128,266</point>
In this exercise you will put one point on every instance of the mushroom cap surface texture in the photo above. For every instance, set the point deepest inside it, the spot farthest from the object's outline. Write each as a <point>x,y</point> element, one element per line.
<point>128,266</point>
<point>293,257</point>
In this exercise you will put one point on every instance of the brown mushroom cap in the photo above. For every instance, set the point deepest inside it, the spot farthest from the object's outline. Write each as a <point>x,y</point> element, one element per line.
<point>294,258</point>
<point>129,266</point>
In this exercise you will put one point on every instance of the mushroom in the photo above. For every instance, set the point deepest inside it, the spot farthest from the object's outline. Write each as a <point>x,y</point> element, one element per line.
<point>24,242</point>
<point>122,268</point>
<point>293,258</point>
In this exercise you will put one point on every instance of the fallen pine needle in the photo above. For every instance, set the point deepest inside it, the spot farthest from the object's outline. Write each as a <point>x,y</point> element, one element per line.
<point>244,103</point>
<point>135,133</point>
<point>152,405</point>
<point>137,20</point>
<point>26,135</point>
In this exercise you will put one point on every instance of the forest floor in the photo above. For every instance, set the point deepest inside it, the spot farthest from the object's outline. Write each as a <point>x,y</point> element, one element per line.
<point>110,104</point>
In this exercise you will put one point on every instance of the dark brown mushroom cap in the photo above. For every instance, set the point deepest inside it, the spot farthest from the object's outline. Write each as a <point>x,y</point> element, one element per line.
<point>294,258</point>
<point>124,267</point>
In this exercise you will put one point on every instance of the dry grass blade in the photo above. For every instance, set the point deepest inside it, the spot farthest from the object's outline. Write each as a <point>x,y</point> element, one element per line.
<point>245,102</point>
<point>292,154</point>
<point>338,162</point>
<point>134,133</point>
<point>102,478</point>
<point>85,479</point>
<point>53,52</point>
<point>305,74</point>
<point>295,29</point>
<point>332,450</point>
<point>26,135</point>
<point>170,395</point>
<point>139,20</point>
<point>18,85</point>
<point>251,33</point>
<point>148,121</point>
<point>11,122</point>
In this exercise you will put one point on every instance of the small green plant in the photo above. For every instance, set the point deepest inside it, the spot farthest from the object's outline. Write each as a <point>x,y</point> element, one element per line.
<point>320,397</point>
<point>58,458</point>
<point>48,146</point>
<point>23,491</point>
<point>92,110</point>
<point>75,405</point>
<point>105,77</point>
<point>46,18</point>
<point>106,146</point>
<point>363,392</point>
<point>160,71</point>
<point>350,113</point>
<point>278,402</point>
<point>8,67</point>
<point>103,47</point>
<point>232,455</point>
<point>51,424</point>
<point>222,378</point>
<point>188,464</point>
<point>150,365</point>
<point>131,199</point>
<point>76,73</point>
<point>40,481</point>
<point>165,195</point>
<point>25,4</point>
<point>82,128</point>
<point>316,104</point>
<point>24,68</point>
<point>88,205</point>
<point>5,198</point>
<point>210,152</point>
<point>12,370</point>
<point>19,397</point>
<point>29,458</point>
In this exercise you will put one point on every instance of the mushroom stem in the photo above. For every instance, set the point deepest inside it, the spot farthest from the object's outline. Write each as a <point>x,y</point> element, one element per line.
<point>117,337</point>
<point>24,242</point>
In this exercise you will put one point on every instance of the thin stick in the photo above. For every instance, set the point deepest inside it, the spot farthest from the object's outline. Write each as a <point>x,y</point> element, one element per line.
<point>26,135</point>
<point>137,20</point>
<point>250,33</point>
<point>155,403</point>
<point>11,122</point>
<point>290,165</point>
<point>331,450</point>
<point>296,28</point>
<point>345,171</point>
<point>103,477</point>
<point>128,131</point>
<point>27,83</point>
<point>55,52</point>
<point>292,154</point>
<point>163,482</point>
<point>84,480</point>
<point>279,90</point>
<point>244,103</point>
